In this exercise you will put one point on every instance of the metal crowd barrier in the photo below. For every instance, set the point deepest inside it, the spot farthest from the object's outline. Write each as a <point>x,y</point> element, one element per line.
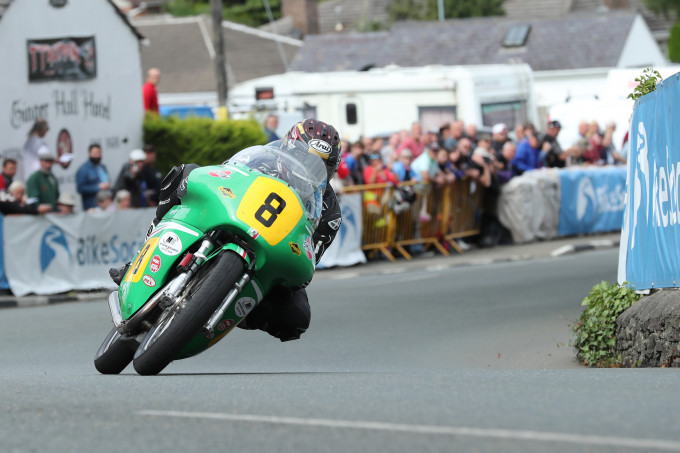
<point>435,219</point>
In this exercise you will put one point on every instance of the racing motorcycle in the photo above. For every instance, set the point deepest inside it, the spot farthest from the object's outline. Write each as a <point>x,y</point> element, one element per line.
<point>242,228</point>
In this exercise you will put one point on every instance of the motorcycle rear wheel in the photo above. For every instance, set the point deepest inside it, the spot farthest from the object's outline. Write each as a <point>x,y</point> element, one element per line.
<point>175,328</point>
<point>114,354</point>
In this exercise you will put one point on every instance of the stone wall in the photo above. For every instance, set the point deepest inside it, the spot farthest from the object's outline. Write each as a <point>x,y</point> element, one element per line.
<point>648,333</point>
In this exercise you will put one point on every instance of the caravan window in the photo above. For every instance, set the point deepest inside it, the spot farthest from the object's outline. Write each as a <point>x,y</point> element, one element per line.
<point>351,113</point>
<point>432,118</point>
<point>511,113</point>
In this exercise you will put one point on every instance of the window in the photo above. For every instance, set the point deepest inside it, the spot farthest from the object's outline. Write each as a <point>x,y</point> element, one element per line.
<point>351,113</point>
<point>511,113</point>
<point>517,36</point>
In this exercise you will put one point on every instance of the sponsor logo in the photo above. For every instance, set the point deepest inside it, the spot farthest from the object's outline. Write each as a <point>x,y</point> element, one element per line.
<point>224,174</point>
<point>149,280</point>
<point>224,325</point>
<point>308,247</point>
<point>656,190</point>
<point>170,244</point>
<point>335,223</point>
<point>321,147</point>
<point>295,248</point>
<point>227,192</point>
<point>243,306</point>
<point>52,243</point>
<point>253,233</point>
<point>155,263</point>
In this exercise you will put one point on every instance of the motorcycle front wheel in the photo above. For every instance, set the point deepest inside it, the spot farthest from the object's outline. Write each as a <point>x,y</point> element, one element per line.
<point>178,324</point>
<point>115,353</point>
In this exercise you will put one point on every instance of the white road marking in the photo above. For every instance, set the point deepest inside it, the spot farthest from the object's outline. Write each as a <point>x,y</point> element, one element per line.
<point>536,436</point>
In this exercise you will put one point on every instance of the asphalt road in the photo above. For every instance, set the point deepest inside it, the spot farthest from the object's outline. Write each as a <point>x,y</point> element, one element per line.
<point>469,359</point>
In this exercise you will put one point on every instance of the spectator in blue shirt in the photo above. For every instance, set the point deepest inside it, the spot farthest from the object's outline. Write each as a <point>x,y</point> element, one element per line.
<point>92,177</point>
<point>528,156</point>
<point>270,125</point>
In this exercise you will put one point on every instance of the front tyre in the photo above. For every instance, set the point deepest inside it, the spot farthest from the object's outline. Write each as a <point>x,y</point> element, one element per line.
<point>177,325</point>
<point>115,353</point>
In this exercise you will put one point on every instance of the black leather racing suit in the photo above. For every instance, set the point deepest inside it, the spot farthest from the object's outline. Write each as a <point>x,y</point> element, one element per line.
<point>283,313</point>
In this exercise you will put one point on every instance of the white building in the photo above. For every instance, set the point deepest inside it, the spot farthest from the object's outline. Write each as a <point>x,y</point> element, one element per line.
<point>75,63</point>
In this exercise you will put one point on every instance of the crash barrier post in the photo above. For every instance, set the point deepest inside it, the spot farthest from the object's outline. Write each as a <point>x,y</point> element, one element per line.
<point>437,216</point>
<point>376,218</point>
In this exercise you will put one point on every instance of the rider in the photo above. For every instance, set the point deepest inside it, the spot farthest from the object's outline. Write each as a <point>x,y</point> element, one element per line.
<point>284,313</point>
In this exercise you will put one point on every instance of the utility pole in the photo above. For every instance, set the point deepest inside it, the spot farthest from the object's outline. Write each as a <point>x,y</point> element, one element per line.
<point>220,67</point>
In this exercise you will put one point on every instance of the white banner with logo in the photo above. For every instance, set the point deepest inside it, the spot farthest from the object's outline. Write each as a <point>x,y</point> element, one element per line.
<point>57,253</point>
<point>346,248</point>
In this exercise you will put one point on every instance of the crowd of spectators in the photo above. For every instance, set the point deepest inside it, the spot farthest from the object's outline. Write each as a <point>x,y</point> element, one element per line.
<point>457,150</point>
<point>38,192</point>
<point>488,158</point>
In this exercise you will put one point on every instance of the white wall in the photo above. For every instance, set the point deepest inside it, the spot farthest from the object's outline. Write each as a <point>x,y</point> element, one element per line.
<point>640,48</point>
<point>117,86</point>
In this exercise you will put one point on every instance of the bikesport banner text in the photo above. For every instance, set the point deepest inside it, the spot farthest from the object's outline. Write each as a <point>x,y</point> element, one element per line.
<point>57,253</point>
<point>592,200</point>
<point>650,238</point>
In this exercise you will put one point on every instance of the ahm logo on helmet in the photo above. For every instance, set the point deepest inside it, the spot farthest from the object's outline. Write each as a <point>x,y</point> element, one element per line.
<point>321,147</point>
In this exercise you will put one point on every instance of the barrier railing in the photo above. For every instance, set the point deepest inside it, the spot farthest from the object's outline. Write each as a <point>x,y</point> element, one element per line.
<point>436,218</point>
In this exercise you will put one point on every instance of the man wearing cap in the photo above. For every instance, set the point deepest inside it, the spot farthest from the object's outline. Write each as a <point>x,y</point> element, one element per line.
<point>499,135</point>
<point>553,156</point>
<point>42,186</point>
<point>131,179</point>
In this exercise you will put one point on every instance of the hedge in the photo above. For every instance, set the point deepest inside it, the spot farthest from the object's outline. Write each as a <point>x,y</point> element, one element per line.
<point>201,141</point>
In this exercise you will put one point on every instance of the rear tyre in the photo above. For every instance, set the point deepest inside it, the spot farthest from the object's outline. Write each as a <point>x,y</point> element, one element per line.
<point>115,353</point>
<point>177,325</point>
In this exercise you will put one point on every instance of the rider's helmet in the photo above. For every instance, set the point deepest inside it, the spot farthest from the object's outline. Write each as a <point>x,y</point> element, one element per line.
<point>321,138</point>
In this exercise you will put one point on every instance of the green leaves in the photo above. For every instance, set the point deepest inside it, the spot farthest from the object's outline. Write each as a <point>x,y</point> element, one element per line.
<point>595,331</point>
<point>648,80</point>
<point>202,141</point>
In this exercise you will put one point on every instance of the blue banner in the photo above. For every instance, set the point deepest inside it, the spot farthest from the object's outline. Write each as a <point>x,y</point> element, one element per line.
<point>592,200</point>
<point>650,238</point>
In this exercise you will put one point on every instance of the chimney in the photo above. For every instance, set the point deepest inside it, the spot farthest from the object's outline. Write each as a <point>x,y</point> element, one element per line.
<point>616,4</point>
<point>304,13</point>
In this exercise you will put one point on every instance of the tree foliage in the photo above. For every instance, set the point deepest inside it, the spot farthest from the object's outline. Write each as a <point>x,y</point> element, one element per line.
<point>247,12</point>
<point>453,9</point>
<point>665,7</point>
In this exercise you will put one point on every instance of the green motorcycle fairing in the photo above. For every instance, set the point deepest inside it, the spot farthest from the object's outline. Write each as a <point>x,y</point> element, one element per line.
<point>276,221</point>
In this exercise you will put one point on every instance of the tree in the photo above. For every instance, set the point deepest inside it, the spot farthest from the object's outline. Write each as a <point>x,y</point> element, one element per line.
<point>665,7</point>
<point>453,9</point>
<point>670,9</point>
<point>247,12</point>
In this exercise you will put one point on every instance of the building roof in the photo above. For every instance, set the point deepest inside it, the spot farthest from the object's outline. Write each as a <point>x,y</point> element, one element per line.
<point>183,51</point>
<point>552,44</point>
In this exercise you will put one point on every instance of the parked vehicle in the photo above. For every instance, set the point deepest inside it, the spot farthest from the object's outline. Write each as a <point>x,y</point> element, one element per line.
<point>375,102</point>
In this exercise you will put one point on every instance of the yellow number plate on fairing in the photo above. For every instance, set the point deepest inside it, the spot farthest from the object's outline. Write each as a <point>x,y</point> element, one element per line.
<point>137,267</point>
<point>270,207</point>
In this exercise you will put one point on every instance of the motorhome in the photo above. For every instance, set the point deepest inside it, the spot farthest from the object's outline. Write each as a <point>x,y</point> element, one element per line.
<point>379,101</point>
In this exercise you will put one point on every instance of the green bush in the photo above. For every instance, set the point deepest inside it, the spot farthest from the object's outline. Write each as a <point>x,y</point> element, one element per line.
<point>596,329</point>
<point>201,141</point>
<point>674,43</point>
<point>648,80</point>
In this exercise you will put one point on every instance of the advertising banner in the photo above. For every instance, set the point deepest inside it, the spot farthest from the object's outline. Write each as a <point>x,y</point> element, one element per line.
<point>61,59</point>
<point>592,200</point>
<point>346,247</point>
<point>650,237</point>
<point>56,253</point>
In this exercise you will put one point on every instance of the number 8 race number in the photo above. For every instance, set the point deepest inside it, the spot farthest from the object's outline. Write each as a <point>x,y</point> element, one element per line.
<point>270,209</point>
